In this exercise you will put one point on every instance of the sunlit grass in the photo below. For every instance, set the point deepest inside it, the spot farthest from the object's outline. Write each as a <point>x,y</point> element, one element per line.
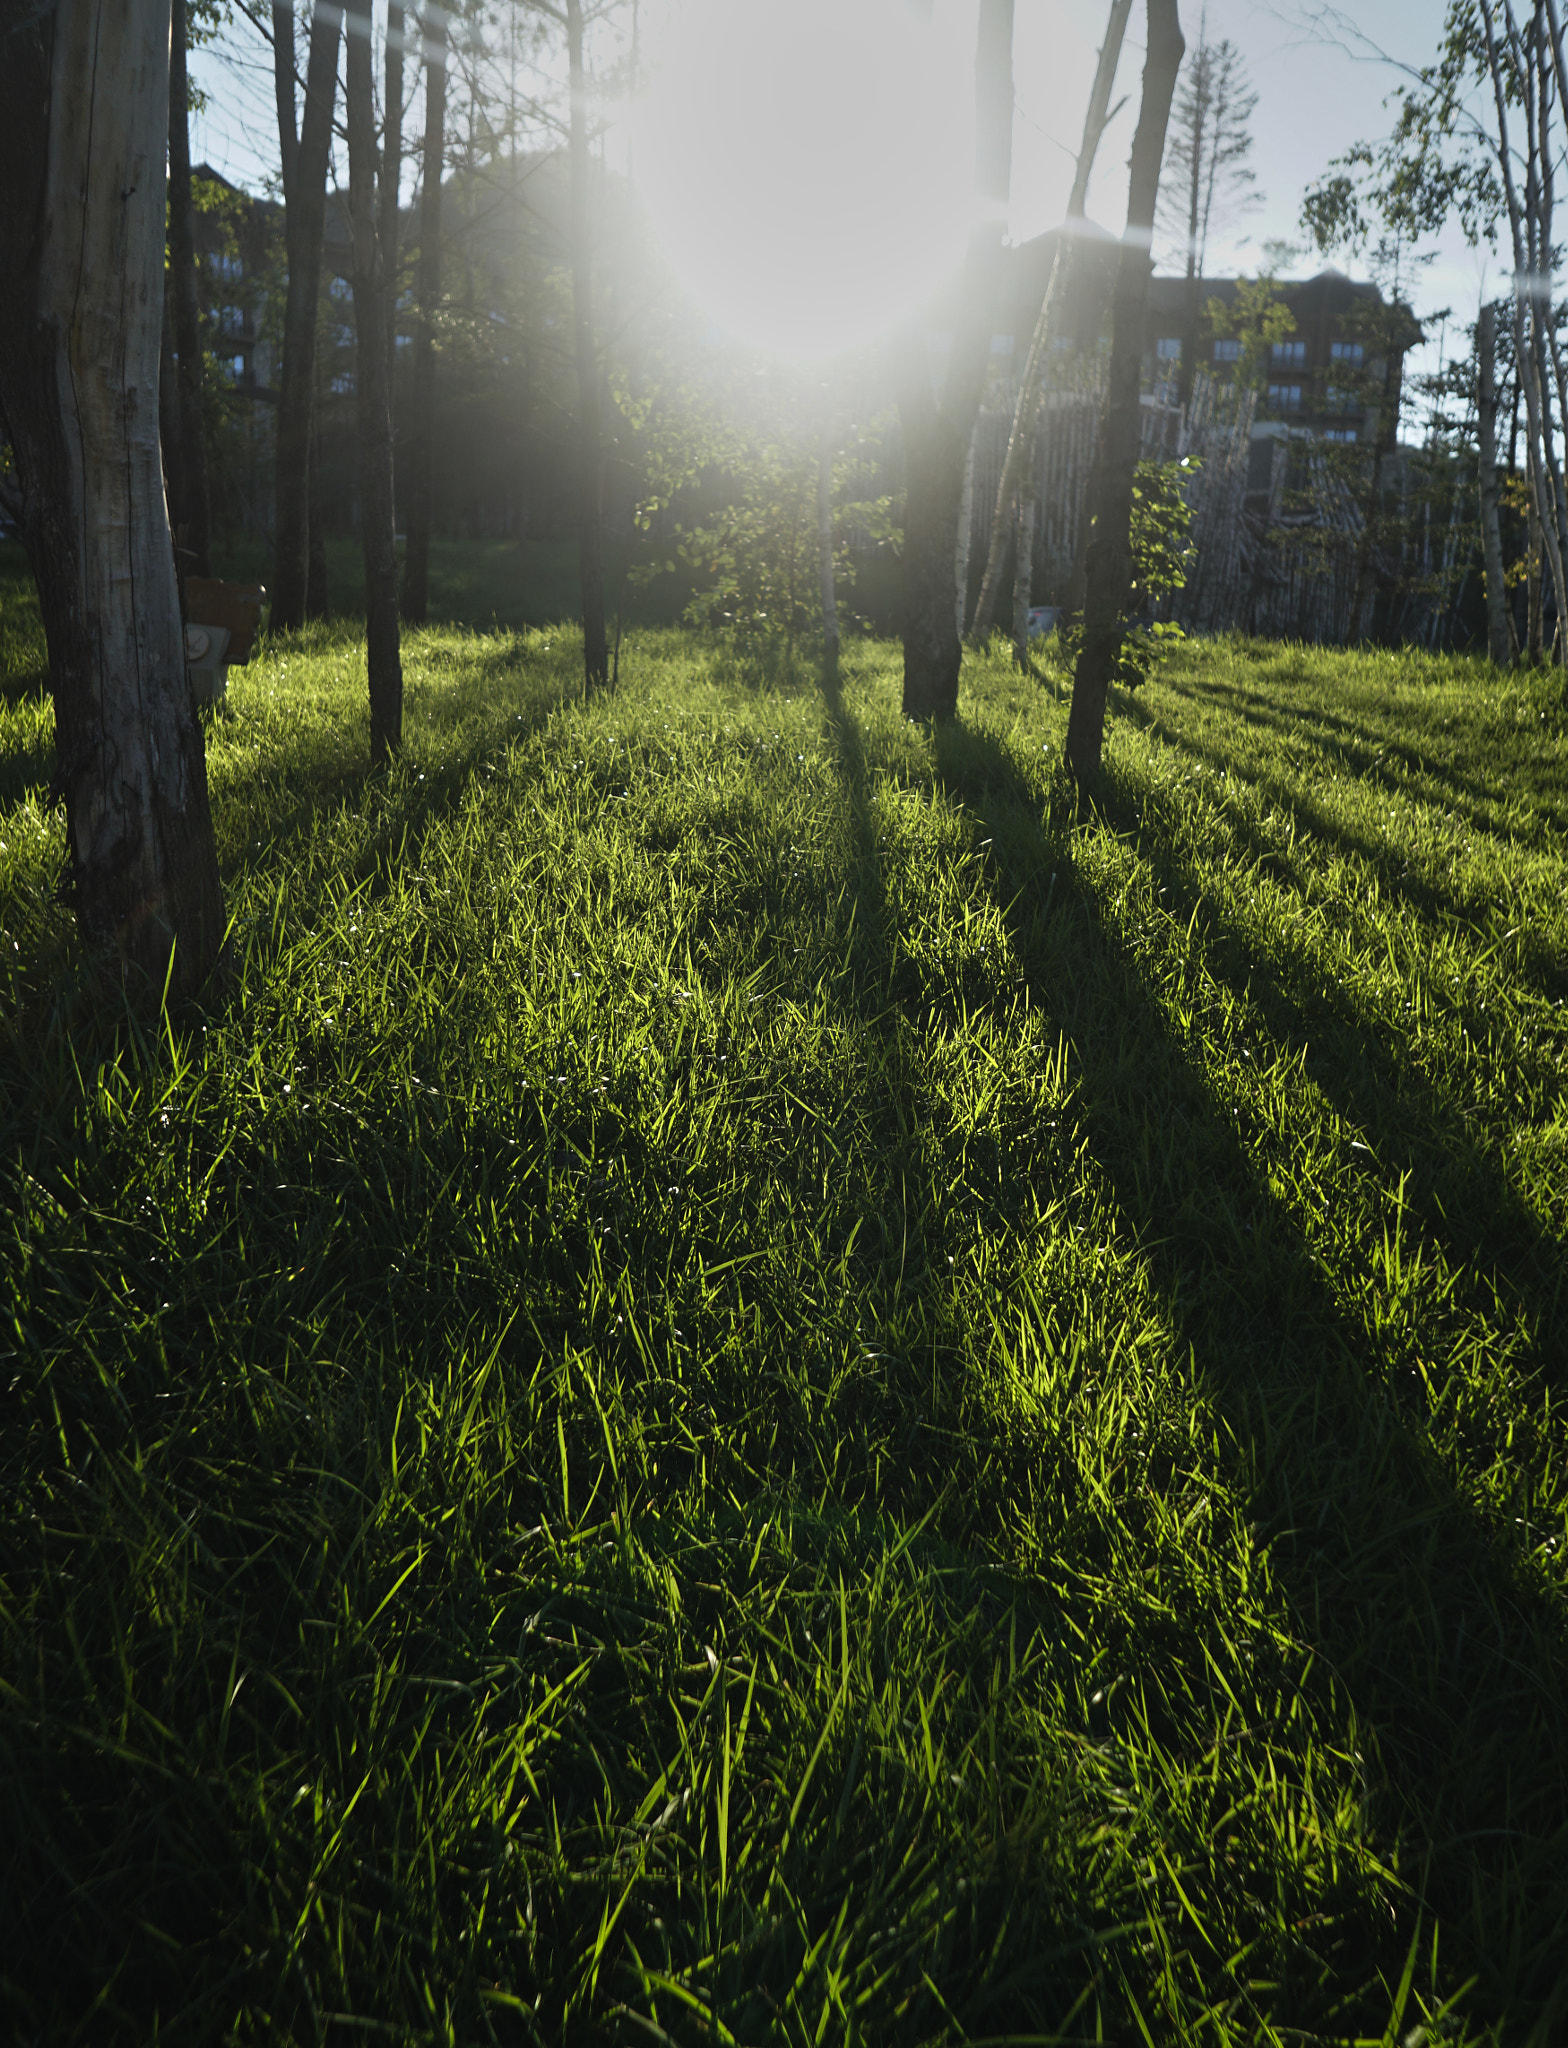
<point>757,1389</point>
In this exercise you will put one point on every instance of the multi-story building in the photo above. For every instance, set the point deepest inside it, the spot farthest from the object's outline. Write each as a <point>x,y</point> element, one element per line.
<point>1326,378</point>
<point>238,249</point>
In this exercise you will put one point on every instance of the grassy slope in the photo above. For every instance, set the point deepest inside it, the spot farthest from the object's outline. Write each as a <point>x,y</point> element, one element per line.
<point>753,1380</point>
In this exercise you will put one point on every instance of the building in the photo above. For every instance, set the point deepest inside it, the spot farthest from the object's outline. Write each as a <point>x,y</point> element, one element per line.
<point>1326,378</point>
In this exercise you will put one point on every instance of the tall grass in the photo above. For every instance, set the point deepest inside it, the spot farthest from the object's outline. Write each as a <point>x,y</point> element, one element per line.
<point>756,1389</point>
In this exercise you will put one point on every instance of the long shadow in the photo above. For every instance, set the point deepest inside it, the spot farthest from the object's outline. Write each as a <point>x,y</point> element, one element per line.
<point>1469,797</point>
<point>408,807</point>
<point>1457,1185</point>
<point>1367,1535</point>
<point>1392,872</point>
<point>1452,1653</point>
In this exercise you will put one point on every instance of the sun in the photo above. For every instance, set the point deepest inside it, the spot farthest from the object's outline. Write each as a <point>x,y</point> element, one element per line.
<point>805,166</point>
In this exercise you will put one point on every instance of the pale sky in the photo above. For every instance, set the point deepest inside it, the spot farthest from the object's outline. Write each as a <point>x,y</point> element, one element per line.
<point>1314,100</point>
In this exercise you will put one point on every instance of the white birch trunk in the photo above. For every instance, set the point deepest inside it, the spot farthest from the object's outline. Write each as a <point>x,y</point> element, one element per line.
<point>1497,637</point>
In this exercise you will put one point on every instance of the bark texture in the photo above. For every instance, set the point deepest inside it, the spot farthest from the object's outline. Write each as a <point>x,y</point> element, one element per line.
<point>1108,563</point>
<point>1524,319</point>
<point>194,495</point>
<point>937,424</point>
<point>305,205</point>
<point>372,391</point>
<point>590,398</point>
<point>1023,575</point>
<point>1021,439</point>
<point>84,112</point>
<point>420,467</point>
<point>392,175</point>
<point>1497,636</point>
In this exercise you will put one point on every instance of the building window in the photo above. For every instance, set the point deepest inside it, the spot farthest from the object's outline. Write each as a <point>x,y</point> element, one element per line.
<point>1288,355</point>
<point>231,319</point>
<point>1338,399</point>
<point>1340,434</point>
<point>1285,397</point>
<point>1168,348</point>
<point>1227,351</point>
<point>343,382</point>
<point>237,368</point>
<point>1348,352</point>
<point>226,266</point>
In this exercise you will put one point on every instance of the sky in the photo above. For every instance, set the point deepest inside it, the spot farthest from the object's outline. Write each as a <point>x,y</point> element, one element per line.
<point>1316,96</point>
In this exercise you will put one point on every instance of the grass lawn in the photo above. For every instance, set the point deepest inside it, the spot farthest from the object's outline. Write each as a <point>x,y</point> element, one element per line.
<point>757,1390</point>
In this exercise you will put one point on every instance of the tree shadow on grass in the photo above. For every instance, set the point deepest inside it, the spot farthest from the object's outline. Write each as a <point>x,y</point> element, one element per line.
<point>1437,905</point>
<point>1452,1652</point>
<point>1360,757</point>
<point>1458,1185</point>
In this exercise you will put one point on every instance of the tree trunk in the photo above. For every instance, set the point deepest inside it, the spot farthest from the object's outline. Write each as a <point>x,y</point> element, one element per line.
<point>1535,633</point>
<point>1023,574</point>
<point>937,430</point>
<point>966,527</point>
<point>392,177</point>
<point>825,580</point>
<point>372,406</point>
<point>304,225</point>
<point>1524,352</point>
<point>318,600</point>
<point>590,400</point>
<point>283,90</point>
<point>169,415</point>
<point>1021,439</point>
<point>1108,564</point>
<point>420,471</point>
<point>84,108</point>
<point>194,497</point>
<point>1497,637</point>
<point>1372,507</point>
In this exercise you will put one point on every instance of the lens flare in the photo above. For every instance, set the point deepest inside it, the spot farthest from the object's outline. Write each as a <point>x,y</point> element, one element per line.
<point>805,168</point>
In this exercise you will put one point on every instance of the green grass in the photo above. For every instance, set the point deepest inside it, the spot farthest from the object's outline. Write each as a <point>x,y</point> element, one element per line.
<point>756,1389</point>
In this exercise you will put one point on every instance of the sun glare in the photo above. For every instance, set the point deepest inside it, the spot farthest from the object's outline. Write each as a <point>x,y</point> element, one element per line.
<point>805,167</point>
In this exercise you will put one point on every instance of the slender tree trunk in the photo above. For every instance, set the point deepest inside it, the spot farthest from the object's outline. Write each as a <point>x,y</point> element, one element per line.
<point>1372,504</point>
<point>1534,608</point>
<point>304,225</point>
<point>84,109</point>
<point>1021,439</point>
<point>1497,637</point>
<point>825,580</point>
<point>937,430</point>
<point>1108,564</point>
<point>371,405</point>
<point>966,527</point>
<point>590,397</point>
<point>283,91</point>
<point>318,600</point>
<point>421,440</point>
<point>392,175</point>
<point>194,498</point>
<point>1023,575</point>
<point>1524,352</point>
